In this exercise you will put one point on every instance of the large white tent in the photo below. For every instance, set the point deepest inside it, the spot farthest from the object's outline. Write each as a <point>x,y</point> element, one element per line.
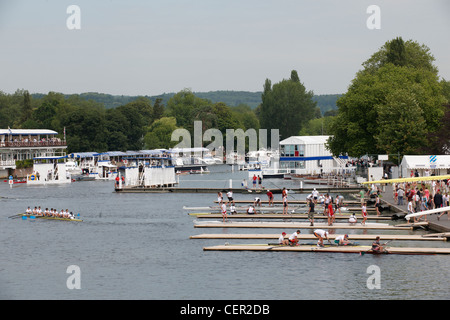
<point>425,165</point>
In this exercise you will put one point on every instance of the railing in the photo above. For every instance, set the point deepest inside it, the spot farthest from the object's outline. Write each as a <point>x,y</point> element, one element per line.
<point>27,144</point>
<point>4,163</point>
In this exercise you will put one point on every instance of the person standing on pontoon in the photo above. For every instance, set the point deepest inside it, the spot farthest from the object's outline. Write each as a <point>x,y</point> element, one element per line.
<point>224,212</point>
<point>285,204</point>
<point>270,196</point>
<point>311,211</point>
<point>364,213</point>
<point>230,197</point>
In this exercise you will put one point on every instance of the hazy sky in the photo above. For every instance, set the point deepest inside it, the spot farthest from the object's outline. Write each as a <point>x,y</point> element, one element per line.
<point>152,47</point>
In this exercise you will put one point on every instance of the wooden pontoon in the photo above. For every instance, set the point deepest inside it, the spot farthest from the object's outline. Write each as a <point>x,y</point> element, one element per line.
<point>317,216</point>
<point>305,225</point>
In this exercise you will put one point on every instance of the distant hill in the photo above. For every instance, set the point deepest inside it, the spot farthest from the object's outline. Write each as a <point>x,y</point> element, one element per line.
<point>232,98</point>
<point>326,102</point>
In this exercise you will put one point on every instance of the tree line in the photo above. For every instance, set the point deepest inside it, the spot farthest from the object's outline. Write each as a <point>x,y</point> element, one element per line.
<point>143,124</point>
<point>397,104</point>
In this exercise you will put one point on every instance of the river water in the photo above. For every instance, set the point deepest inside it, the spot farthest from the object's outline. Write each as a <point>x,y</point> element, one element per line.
<point>137,246</point>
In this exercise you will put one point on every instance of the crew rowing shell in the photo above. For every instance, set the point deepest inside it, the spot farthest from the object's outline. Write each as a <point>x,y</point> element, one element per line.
<point>339,249</point>
<point>24,216</point>
<point>302,236</point>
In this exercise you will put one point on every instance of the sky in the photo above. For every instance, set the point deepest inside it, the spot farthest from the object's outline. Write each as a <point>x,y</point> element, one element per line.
<point>154,47</point>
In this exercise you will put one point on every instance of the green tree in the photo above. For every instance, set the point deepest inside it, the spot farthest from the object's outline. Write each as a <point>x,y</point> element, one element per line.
<point>27,109</point>
<point>159,134</point>
<point>396,52</point>
<point>86,131</point>
<point>286,106</point>
<point>401,122</point>
<point>182,107</point>
<point>361,119</point>
<point>317,127</point>
<point>158,109</point>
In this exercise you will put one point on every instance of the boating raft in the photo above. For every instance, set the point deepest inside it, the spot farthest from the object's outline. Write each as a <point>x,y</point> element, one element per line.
<point>299,225</point>
<point>266,209</point>
<point>317,216</point>
<point>334,249</point>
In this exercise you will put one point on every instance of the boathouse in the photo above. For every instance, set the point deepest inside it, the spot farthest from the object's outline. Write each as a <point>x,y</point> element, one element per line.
<point>27,144</point>
<point>306,155</point>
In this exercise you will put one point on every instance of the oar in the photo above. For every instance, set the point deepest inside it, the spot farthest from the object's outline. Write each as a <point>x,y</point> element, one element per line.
<point>361,253</point>
<point>15,216</point>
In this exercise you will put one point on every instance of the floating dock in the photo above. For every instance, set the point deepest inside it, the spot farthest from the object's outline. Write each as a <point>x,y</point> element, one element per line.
<point>235,190</point>
<point>210,215</point>
<point>369,237</point>
<point>280,202</point>
<point>306,225</point>
<point>339,249</point>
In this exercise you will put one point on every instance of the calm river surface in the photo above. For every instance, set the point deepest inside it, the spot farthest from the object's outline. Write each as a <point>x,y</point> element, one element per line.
<point>137,246</point>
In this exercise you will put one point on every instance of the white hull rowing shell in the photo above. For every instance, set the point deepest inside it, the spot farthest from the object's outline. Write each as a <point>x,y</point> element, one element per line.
<point>369,237</point>
<point>341,249</point>
<point>422,213</point>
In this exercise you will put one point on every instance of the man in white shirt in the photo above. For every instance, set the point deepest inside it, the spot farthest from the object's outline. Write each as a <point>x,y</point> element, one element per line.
<point>224,212</point>
<point>321,234</point>
<point>230,197</point>
<point>293,238</point>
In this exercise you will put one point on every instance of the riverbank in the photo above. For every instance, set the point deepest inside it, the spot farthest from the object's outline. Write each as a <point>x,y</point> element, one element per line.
<point>439,225</point>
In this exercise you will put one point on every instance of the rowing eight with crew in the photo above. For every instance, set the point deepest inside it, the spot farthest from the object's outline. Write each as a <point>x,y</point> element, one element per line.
<point>37,211</point>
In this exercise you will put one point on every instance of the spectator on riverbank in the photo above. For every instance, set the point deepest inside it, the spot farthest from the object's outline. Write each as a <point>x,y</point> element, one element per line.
<point>400,194</point>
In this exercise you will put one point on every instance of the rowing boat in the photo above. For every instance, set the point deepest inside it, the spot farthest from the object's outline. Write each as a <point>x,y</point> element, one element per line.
<point>331,249</point>
<point>24,216</point>
<point>305,236</point>
<point>412,179</point>
<point>423,213</point>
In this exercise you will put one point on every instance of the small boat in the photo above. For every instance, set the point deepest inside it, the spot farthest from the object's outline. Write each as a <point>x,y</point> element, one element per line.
<point>32,216</point>
<point>16,181</point>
